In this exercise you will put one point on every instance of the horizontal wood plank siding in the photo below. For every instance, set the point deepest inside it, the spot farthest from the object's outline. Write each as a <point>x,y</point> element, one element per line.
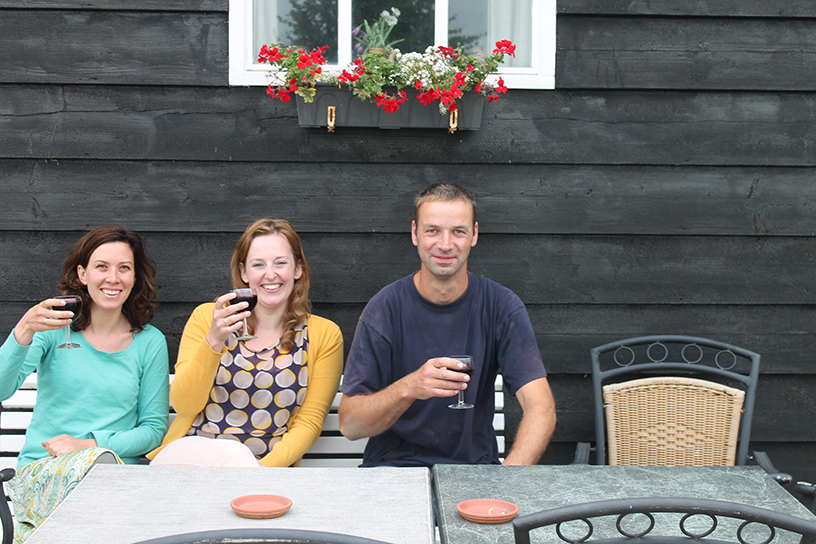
<point>530,127</point>
<point>123,5</point>
<point>665,186</point>
<point>718,53</point>
<point>115,48</point>
<point>43,195</point>
<point>709,8</point>
<point>543,269</point>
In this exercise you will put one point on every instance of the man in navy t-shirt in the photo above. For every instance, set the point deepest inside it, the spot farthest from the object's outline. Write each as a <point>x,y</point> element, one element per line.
<point>399,378</point>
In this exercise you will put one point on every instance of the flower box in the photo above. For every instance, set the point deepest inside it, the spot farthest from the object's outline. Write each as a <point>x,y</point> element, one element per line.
<point>350,111</point>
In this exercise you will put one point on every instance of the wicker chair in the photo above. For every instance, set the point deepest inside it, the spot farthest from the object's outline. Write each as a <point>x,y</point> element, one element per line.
<point>689,520</point>
<point>668,414</point>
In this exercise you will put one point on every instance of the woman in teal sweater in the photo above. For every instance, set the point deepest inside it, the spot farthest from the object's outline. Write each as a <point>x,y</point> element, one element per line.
<point>105,400</point>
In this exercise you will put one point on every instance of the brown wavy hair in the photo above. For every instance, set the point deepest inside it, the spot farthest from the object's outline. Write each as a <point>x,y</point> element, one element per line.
<point>299,306</point>
<point>138,308</point>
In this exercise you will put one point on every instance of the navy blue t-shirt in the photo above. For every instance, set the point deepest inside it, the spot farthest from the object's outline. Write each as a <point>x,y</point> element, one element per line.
<point>399,330</point>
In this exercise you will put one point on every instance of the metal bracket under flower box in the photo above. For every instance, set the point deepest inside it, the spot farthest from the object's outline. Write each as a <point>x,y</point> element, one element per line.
<point>338,107</point>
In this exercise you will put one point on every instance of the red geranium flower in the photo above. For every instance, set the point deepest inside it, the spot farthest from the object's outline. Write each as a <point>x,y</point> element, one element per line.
<point>269,55</point>
<point>304,61</point>
<point>447,51</point>
<point>505,46</point>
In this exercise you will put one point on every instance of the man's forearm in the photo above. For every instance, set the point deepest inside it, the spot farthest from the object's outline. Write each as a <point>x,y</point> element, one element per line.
<point>362,416</point>
<point>536,426</point>
<point>369,415</point>
<point>531,441</point>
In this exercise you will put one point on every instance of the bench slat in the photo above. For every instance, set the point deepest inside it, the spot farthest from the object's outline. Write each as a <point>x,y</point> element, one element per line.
<point>330,449</point>
<point>12,443</point>
<point>21,400</point>
<point>337,445</point>
<point>15,420</point>
<point>336,462</point>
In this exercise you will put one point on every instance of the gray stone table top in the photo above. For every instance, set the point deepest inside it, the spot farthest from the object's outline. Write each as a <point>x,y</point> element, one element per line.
<point>117,504</point>
<point>542,487</point>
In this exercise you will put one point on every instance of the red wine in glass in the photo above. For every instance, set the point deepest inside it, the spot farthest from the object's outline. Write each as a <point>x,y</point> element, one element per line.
<point>467,369</point>
<point>72,304</point>
<point>248,296</point>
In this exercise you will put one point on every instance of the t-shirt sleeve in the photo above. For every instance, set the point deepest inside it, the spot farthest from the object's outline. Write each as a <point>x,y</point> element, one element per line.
<point>368,365</point>
<point>519,356</point>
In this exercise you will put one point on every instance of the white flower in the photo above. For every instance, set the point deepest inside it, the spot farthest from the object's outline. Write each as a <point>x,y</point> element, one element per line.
<point>396,12</point>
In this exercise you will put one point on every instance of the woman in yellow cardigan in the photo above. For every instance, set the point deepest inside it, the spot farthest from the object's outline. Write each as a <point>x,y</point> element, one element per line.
<point>260,401</point>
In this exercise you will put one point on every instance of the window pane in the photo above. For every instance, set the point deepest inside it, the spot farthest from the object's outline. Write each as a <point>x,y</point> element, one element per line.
<point>478,24</point>
<point>306,24</point>
<point>467,26</point>
<point>415,24</point>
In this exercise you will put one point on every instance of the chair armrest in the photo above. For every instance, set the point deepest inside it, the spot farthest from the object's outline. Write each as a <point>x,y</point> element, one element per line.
<point>7,474</point>
<point>582,450</point>
<point>764,461</point>
<point>805,488</point>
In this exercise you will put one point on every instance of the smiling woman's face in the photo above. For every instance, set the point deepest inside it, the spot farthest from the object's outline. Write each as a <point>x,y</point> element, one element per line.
<point>271,269</point>
<point>110,275</point>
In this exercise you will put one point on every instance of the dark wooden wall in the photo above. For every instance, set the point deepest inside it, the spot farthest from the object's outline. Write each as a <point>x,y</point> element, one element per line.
<point>665,185</point>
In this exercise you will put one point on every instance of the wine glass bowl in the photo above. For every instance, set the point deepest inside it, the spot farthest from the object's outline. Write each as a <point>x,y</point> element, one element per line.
<point>467,369</point>
<point>73,303</point>
<point>250,297</point>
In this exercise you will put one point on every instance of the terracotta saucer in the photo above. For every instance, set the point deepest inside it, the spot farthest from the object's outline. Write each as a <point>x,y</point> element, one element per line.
<point>487,510</point>
<point>261,506</point>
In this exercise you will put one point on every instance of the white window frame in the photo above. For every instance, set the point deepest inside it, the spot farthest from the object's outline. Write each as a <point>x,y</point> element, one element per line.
<point>244,71</point>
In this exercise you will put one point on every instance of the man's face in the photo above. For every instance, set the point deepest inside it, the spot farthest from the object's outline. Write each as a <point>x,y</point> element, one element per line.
<point>444,232</point>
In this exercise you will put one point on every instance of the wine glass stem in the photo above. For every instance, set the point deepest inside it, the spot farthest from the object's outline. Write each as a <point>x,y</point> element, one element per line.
<point>461,397</point>
<point>245,328</point>
<point>68,334</point>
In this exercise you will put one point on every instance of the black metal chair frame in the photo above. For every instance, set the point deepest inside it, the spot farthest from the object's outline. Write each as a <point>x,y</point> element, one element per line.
<point>693,361</point>
<point>261,536</point>
<point>711,509</point>
<point>5,513</point>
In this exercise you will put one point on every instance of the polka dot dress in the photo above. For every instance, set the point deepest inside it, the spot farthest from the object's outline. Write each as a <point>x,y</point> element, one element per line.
<point>256,394</point>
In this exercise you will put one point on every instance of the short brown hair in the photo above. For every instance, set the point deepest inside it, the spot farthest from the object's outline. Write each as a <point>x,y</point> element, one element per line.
<point>299,306</point>
<point>138,308</point>
<point>446,191</point>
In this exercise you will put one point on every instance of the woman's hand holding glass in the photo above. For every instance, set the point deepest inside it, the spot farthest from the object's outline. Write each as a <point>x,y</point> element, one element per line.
<point>44,316</point>
<point>227,319</point>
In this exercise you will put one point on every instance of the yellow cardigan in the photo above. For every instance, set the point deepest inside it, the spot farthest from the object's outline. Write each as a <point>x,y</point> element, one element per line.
<point>195,375</point>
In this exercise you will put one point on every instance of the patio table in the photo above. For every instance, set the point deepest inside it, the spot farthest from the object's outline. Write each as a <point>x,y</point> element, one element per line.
<point>117,504</point>
<point>541,487</point>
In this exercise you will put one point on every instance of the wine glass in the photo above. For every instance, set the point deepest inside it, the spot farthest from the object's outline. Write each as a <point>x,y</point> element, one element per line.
<point>248,296</point>
<point>73,303</point>
<point>468,369</point>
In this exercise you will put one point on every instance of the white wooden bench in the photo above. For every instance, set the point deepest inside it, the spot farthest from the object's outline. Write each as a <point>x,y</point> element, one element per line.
<point>332,449</point>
